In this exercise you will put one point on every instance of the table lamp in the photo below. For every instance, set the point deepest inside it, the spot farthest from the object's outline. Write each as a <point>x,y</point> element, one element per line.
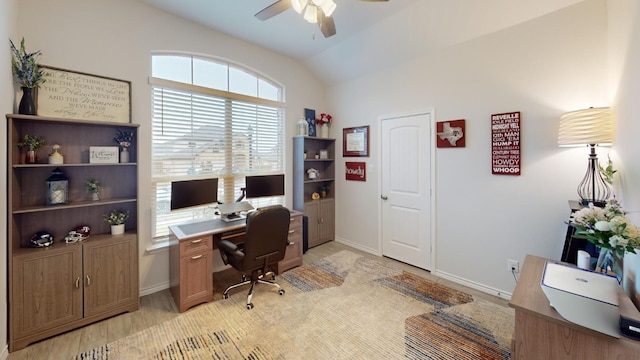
<point>592,127</point>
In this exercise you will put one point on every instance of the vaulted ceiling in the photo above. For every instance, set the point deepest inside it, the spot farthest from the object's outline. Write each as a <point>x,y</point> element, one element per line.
<point>369,35</point>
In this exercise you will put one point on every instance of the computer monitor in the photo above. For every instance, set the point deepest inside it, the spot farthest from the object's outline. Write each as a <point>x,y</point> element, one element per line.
<point>264,185</point>
<point>189,193</point>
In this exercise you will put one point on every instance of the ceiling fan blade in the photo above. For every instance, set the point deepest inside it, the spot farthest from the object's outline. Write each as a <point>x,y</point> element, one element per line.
<point>327,26</point>
<point>273,9</point>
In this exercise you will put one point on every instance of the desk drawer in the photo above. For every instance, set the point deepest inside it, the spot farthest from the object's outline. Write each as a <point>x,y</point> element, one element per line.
<point>196,246</point>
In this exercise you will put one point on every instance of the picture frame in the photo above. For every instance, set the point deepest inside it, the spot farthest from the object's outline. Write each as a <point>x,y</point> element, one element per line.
<point>355,141</point>
<point>324,154</point>
<point>81,96</point>
<point>103,154</point>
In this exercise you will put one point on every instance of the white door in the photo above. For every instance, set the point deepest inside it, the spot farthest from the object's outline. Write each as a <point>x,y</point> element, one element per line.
<point>406,185</point>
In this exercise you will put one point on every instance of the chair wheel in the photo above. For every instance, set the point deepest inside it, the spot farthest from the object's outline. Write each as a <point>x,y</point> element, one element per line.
<point>249,306</point>
<point>225,296</point>
<point>281,291</point>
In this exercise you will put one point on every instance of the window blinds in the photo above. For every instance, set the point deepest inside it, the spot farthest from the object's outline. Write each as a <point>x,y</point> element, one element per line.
<point>202,135</point>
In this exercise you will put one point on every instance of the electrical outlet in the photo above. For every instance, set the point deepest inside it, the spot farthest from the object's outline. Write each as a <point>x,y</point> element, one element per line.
<point>513,265</point>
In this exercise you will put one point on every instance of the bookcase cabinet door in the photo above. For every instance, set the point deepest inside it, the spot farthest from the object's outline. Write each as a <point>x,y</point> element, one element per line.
<point>108,265</point>
<point>50,294</point>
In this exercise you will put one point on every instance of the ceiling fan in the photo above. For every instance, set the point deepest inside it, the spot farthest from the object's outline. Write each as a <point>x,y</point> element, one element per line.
<point>315,11</point>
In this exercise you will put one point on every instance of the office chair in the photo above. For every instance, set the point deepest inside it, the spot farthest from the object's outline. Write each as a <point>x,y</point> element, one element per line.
<point>264,245</point>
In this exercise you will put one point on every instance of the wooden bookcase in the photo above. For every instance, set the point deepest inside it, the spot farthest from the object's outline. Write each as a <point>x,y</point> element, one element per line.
<point>64,286</point>
<point>321,212</point>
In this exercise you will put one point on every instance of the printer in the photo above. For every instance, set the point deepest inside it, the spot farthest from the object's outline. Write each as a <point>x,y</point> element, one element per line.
<point>583,297</point>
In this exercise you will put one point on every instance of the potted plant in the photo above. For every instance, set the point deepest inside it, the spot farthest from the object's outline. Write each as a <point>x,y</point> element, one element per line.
<point>29,76</point>
<point>124,139</point>
<point>117,218</point>
<point>94,187</point>
<point>32,143</point>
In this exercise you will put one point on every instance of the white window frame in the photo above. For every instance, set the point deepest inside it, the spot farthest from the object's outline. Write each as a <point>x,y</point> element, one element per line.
<point>230,180</point>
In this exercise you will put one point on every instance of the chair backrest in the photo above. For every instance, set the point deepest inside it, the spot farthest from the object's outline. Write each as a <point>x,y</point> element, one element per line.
<point>266,236</point>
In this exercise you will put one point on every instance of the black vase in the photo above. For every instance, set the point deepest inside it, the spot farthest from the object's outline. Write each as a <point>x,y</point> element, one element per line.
<point>28,102</point>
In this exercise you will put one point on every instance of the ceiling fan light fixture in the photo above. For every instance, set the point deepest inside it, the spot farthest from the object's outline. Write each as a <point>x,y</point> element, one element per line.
<point>328,6</point>
<point>311,14</point>
<point>298,5</point>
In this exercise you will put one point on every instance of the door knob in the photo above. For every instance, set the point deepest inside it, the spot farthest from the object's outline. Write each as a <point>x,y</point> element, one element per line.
<point>383,197</point>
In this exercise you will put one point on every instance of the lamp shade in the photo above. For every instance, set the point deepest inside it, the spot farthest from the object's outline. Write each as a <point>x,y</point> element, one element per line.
<point>588,126</point>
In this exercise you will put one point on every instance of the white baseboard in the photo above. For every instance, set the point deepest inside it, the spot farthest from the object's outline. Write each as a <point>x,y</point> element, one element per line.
<point>369,250</point>
<point>474,285</point>
<point>5,353</point>
<point>154,289</point>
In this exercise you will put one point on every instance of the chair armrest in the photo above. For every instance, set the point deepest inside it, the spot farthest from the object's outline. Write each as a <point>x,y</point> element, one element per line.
<point>228,248</point>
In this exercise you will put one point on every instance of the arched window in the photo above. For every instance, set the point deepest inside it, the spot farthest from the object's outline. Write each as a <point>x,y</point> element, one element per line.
<point>211,118</point>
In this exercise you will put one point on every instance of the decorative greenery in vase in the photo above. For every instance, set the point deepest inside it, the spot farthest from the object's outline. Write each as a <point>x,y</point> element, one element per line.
<point>608,228</point>
<point>32,142</point>
<point>93,186</point>
<point>116,217</point>
<point>124,138</point>
<point>25,66</point>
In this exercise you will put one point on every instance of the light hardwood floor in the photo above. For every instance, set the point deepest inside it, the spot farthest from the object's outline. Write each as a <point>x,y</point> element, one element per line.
<point>159,307</point>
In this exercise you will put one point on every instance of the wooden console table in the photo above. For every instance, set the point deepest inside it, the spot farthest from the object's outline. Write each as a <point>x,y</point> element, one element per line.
<point>541,333</point>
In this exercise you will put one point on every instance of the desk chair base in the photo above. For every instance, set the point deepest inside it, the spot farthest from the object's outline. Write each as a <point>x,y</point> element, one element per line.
<point>260,280</point>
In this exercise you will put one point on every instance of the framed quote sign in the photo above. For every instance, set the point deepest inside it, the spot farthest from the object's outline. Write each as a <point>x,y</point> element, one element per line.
<point>505,143</point>
<point>355,141</point>
<point>73,95</point>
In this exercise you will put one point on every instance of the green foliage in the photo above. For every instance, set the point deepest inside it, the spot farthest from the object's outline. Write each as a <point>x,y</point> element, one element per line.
<point>116,217</point>
<point>607,173</point>
<point>93,185</point>
<point>25,66</point>
<point>32,142</point>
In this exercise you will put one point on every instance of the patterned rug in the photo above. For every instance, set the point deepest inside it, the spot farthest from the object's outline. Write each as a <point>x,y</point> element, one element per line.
<point>345,306</point>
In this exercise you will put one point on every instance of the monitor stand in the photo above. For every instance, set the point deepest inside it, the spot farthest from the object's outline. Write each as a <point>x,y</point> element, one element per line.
<point>233,217</point>
<point>233,211</point>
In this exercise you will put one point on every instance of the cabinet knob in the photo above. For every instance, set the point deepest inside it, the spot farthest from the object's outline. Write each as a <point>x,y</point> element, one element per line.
<point>384,197</point>
<point>88,281</point>
<point>78,282</point>
<point>291,231</point>
<point>196,241</point>
<point>196,257</point>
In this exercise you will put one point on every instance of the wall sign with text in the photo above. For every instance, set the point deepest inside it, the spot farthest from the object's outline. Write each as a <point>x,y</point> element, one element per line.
<point>73,95</point>
<point>505,143</point>
<point>356,171</point>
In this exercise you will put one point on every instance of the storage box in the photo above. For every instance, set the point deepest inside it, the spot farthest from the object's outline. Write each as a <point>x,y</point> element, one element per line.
<point>103,155</point>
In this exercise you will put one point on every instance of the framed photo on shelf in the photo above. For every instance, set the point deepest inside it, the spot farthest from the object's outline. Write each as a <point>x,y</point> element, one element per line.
<point>74,95</point>
<point>355,141</point>
<point>324,154</point>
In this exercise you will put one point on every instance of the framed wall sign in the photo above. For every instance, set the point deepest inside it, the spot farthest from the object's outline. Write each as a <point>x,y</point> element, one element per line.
<point>450,133</point>
<point>355,171</point>
<point>505,143</point>
<point>74,95</point>
<point>355,141</point>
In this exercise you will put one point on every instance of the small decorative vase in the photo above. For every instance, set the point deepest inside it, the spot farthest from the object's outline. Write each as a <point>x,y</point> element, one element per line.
<point>324,131</point>
<point>30,157</point>
<point>124,155</point>
<point>28,102</point>
<point>117,229</point>
<point>95,196</point>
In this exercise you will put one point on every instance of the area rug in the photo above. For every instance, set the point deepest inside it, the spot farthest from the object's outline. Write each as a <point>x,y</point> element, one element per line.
<point>345,306</point>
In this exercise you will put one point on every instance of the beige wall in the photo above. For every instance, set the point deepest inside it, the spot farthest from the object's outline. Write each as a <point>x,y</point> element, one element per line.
<point>8,14</point>
<point>542,68</point>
